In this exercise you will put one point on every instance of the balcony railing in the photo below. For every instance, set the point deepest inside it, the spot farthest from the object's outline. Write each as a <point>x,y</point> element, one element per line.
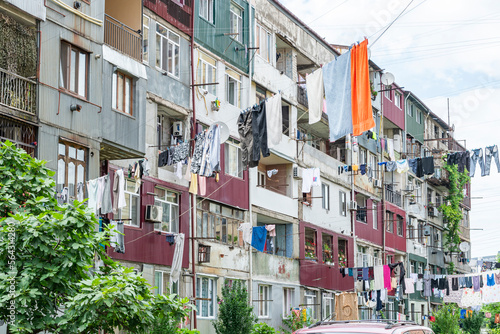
<point>302,95</point>
<point>17,92</point>
<point>361,215</point>
<point>122,37</point>
<point>392,196</point>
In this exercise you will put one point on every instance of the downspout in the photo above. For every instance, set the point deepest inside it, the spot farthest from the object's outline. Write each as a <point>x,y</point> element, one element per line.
<point>381,135</point>
<point>250,212</point>
<point>193,196</point>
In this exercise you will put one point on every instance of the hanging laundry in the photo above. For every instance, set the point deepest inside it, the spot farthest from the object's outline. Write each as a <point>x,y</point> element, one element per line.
<point>137,178</point>
<point>271,229</point>
<point>178,170</point>
<point>259,131</point>
<point>272,172</point>
<point>315,93</point>
<point>193,187</point>
<point>177,260</point>
<point>180,153</point>
<point>259,235</point>
<point>198,152</point>
<point>210,161</point>
<point>274,120</point>
<point>307,179</point>
<point>490,280</point>
<point>92,189</point>
<point>202,182</point>
<point>362,113</point>
<point>246,229</point>
<point>476,156</point>
<point>187,174</point>
<point>387,277</point>
<point>170,238</point>
<point>106,202</point>
<point>316,181</point>
<point>390,149</point>
<point>490,152</point>
<point>337,84</point>
<point>120,237</point>
<point>63,197</point>
<point>428,165</point>
<point>401,267</point>
<point>391,166</point>
<point>402,166</point>
<point>410,286</point>
<point>79,191</point>
<point>362,169</point>
<point>246,139</point>
<point>145,166</point>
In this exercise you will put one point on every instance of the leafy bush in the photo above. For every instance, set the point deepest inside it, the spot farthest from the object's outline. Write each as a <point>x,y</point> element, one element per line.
<point>447,320</point>
<point>493,308</point>
<point>235,314</point>
<point>263,328</point>
<point>472,324</point>
<point>295,322</point>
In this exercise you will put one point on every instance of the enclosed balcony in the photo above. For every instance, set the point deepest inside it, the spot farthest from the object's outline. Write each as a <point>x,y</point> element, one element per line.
<point>17,92</point>
<point>123,27</point>
<point>392,196</point>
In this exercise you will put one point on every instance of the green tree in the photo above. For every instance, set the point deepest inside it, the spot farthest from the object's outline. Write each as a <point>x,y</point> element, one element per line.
<point>447,320</point>
<point>263,328</point>
<point>493,308</point>
<point>235,314</point>
<point>472,324</point>
<point>296,321</point>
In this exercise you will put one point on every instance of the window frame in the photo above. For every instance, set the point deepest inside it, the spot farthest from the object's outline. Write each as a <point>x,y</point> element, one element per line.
<point>363,156</point>
<point>230,143</point>
<point>389,218</point>
<point>210,294</point>
<point>131,196</point>
<point>342,203</point>
<point>419,116</point>
<point>115,96</point>
<point>204,68</point>
<point>173,287</point>
<point>208,15</point>
<point>325,194</point>
<point>397,99</point>
<point>311,294</point>
<point>67,160</point>
<point>65,71</point>
<point>288,296</point>
<point>261,31</point>
<point>400,225</point>
<point>237,87</point>
<point>174,219</point>
<point>328,297</point>
<point>211,215</point>
<point>145,38</point>
<point>239,22</point>
<point>263,304</point>
<point>375,215</point>
<point>160,56</point>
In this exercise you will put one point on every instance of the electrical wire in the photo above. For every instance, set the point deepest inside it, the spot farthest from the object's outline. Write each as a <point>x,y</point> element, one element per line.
<point>390,24</point>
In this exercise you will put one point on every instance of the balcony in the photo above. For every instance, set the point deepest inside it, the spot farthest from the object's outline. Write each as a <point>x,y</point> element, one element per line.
<point>17,92</point>
<point>392,196</point>
<point>122,38</point>
<point>361,215</point>
<point>302,95</point>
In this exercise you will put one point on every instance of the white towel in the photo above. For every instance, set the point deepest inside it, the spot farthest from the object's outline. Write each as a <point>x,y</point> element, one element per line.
<point>307,179</point>
<point>177,260</point>
<point>246,228</point>
<point>274,120</point>
<point>315,93</point>
<point>316,177</point>
<point>390,148</point>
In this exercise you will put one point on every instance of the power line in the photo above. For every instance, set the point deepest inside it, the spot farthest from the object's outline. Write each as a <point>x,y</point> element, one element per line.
<point>397,17</point>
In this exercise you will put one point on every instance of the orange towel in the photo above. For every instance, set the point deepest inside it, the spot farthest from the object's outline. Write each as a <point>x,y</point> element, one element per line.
<point>362,116</point>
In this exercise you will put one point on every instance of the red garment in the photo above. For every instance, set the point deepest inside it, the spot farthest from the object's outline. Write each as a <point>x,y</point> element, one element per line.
<point>432,318</point>
<point>387,277</point>
<point>362,114</point>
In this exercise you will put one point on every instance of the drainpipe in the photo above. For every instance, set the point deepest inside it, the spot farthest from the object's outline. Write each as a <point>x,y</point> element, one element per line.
<point>250,212</point>
<point>193,196</point>
<point>381,135</point>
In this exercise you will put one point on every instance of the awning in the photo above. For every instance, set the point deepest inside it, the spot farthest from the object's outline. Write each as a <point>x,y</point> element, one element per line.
<point>113,151</point>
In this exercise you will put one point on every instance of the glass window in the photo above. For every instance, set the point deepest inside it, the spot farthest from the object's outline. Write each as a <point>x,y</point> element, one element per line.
<point>328,305</point>
<point>122,93</point>
<point>232,156</point>
<point>285,111</point>
<point>327,248</point>
<point>233,88</point>
<point>310,299</point>
<point>411,110</point>
<point>387,92</point>
<point>287,301</point>
<point>167,50</point>
<point>207,72</point>
<point>362,156</point>
<point>343,203</point>
<point>205,288</point>
<point>162,284</point>
<point>397,99</point>
<point>220,222</point>
<point>400,226</point>
<point>207,10</point>
<point>169,202</point>
<point>325,190</point>
<point>389,219</point>
<point>264,301</point>
<point>130,213</point>
<point>343,255</point>
<point>310,246</point>
<point>263,42</point>
<point>145,38</point>
<point>236,22</point>
<point>74,69</point>
<point>375,216</point>
<point>419,117</point>
<point>71,167</point>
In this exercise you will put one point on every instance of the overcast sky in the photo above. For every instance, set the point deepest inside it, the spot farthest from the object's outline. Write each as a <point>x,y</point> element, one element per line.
<point>438,50</point>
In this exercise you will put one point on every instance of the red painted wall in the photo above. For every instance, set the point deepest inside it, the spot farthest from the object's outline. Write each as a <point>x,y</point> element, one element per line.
<point>173,12</point>
<point>366,231</point>
<point>393,240</point>
<point>144,245</point>
<point>391,111</point>
<point>317,274</point>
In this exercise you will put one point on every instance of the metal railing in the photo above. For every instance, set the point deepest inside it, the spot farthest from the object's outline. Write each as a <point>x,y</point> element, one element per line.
<point>361,215</point>
<point>393,196</point>
<point>302,95</point>
<point>123,38</point>
<point>17,92</point>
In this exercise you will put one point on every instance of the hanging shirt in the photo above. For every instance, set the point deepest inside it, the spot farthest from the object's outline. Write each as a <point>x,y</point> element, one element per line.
<point>410,286</point>
<point>177,260</point>
<point>106,203</point>
<point>193,187</point>
<point>259,235</point>
<point>402,166</point>
<point>274,120</point>
<point>387,277</point>
<point>198,152</point>
<point>271,229</point>
<point>246,229</point>
<point>307,179</point>
<point>92,189</point>
<point>315,93</point>
<point>378,277</point>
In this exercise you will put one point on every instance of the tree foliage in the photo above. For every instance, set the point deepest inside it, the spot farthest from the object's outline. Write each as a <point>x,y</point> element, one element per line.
<point>235,314</point>
<point>447,320</point>
<point>452,212</point>
<point>472,323</point>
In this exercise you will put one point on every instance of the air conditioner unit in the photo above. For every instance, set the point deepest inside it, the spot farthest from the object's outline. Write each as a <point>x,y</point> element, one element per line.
<point>377,183</point>
<point>154,213</point>
<point>297,172</point>
<point>177,129</point>
<point>427,230</point>
<point>353,205</point>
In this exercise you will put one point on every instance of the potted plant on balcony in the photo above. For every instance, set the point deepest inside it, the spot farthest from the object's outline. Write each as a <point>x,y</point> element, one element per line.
<point>327,255</point>
<point>342,259</point>
<point>310,250</point>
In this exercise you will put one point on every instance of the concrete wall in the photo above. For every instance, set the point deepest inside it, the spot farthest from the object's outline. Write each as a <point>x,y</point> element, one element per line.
<point>35,8</point>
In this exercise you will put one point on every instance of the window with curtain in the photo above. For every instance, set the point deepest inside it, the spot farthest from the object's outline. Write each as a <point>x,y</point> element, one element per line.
<point>232,157</point>
<point>206,289</point>
<point>74,69</point>
<point>71,167</point>
<point>167,50</point>
<point>169,201</point>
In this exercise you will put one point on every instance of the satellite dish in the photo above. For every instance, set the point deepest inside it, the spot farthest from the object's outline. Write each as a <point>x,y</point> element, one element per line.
<point>387,78</point>
<point>224,131</point>
<point>464,246</point>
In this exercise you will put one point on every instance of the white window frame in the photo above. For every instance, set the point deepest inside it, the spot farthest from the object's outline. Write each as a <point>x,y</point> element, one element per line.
<point>126,95</point>
<point>206,10</point>
<point>310,300</point>
<point>325,194</point>
<point>173,214</point>
<point>343,203</point>
<point>363,156</point>
<point>264,293</point>
<point>288,294</point>
<point>411,110</point>
<point>145,38</point>
<point>387,92</point>
<point>230,148</point>
<point>263,38</point>
<point>207,73</point>
<point>165,279</point>
<point>375,216</point>
<point>172,45</point>
<point>419,116</point>
<point>397,99</point>
<point>328,299</point>
<point>210,293</point>
<point>237,89</point>
<point>236,22</point>
<point>131,196</point>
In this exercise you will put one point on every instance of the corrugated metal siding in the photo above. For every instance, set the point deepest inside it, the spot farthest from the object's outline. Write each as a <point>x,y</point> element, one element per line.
<point>172,12</point>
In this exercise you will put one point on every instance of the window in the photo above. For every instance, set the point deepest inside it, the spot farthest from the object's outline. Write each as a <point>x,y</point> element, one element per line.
<point>421,237</point>
<point>375,216</point>
<point>122,92</point>
<point>71,167</point>
<point>310,301</point>
<point>411,233</point>
<point>325,193</point>
<point>264,299</point>
<point>167,50</point>
<point>130,213</point>
<point>343,203</point>
<point>74,69</point>
<point>162,284</point>
<point>261,179</point>
<point>310,246</point>
<point>343,255</point>
<point>145,39</point>
<point>285,110</point>
<point>205,288</point>
<point>413,314</point>
<point>233,88</point>
<point>411,110</point>
<point>400,226</point>
<point>287,301</point>
<point>207,10</point>
<point>387,91</point>
<point>260,94</point>
<point>220,222</point>
<point>397,99</point>
<point>169,201</point>
<point>263,42</point>
<point>389,218</point>
<point>327,248</point>
<point>236,22</point>
<point>362,156</point>
<point>207,72</point>
<point>328,305</point>
<point>232,157</point>
<point>419,117</point>
<point>413,266</point>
